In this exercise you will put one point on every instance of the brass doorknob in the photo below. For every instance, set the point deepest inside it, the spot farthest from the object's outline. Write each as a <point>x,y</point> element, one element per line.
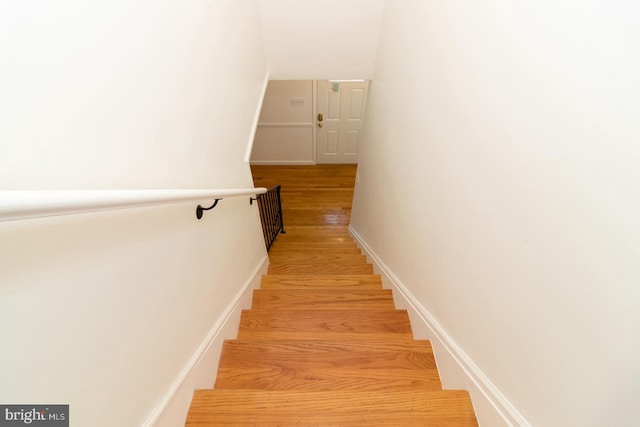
<point>319,124</point>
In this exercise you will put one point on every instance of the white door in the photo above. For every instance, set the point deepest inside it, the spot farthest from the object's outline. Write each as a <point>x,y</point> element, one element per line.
<point>339,119</point>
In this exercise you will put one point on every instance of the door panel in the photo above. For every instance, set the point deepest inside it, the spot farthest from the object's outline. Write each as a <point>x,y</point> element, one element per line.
<point>341,110</point>
<point>352,142</point>
<point>332,143</point>
<point>356,104</point>
<point>333,104</point>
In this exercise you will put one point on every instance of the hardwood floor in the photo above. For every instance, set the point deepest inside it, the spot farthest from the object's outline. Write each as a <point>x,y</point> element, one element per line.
<point>323,343</point>
<point>317,196</point>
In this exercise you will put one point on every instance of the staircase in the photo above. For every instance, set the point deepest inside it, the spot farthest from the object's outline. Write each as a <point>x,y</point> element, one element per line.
<point>323,343</point>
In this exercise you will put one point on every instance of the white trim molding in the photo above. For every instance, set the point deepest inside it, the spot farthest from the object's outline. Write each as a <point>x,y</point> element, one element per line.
<point>256,119</point>
<point>283,162</point>
<point>285,125</point>
<point>455,366</point>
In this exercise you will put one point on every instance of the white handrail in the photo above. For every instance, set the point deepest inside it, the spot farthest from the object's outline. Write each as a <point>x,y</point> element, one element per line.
<point>16,205</point>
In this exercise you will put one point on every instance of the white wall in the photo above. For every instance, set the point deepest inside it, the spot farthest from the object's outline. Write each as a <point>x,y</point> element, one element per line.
<point>122,95</point>
<point>332,39</point>
<point>285,130</point>
<point>111,312</point>
<point>499,186</point>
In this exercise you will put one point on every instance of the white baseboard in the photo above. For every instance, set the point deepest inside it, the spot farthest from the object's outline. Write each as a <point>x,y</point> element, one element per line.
<point>457,369</point>
<point>201,369</point>
<point>283,162</point>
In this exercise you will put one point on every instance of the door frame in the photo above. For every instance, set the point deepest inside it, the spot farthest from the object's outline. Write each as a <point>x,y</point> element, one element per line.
<point>314,115</point>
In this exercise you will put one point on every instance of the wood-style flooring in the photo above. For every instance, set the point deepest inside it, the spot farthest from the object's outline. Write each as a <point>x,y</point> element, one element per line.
<point>323,344</point>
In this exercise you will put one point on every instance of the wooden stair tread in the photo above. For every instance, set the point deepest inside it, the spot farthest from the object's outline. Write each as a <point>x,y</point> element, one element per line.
<point>300,299</point>
<point>285,239</point>
<point>284,378</point>
<point>284,247</point>
<point>318,257</point>
<point>275,334</point>
<point>335,281</point>
<point>324,347</point>
<point>326,321</point>
<point>320,229</point>
<point>324,344</point>
<point>315,234</point>
<point>331,408</point>
<point>408,354</point>
<point>325,365</point>
<point>319,268</point>
<point>326,255</point>
<point>329,247</point>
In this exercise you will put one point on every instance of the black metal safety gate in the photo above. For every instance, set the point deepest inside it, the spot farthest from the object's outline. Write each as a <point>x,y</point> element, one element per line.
<point>270,207</point>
